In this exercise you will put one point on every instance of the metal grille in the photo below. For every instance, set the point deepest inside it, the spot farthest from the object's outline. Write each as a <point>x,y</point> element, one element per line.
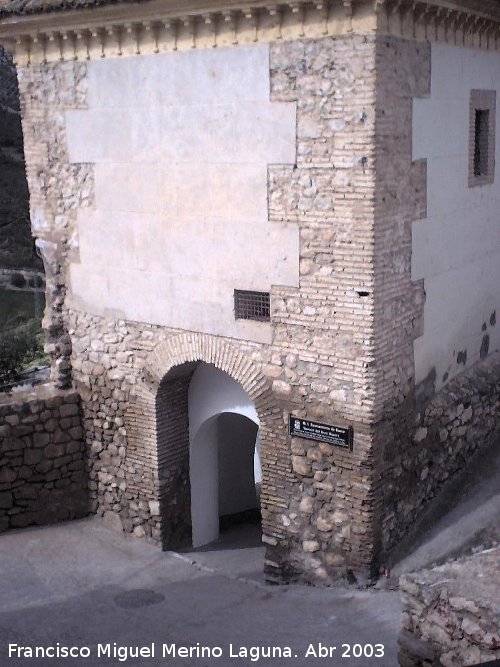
<point>481,142</point>
<point>252,305</point>
<point>9,94</point>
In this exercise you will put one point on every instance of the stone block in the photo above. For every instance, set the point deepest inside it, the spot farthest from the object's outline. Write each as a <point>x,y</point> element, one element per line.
<point>307,505</point>
<point>52,451</point>
<point>420,435</point>
<point>60,437</point>
<point>22,429</point>
<point>44,467</point>
<point>301,466</point>
<point>7,475</point>
<point>324,524</point>
<point>32,456</point>
<point>139,531</point>
<point>74,447</point>
<point>154,507</point>
<point>27,492</point>
<point>50,425</point>
<point>54,401</point>
<point>25,472</point>
<point>41,439</point>
<point>6,500</point>
<point>62,461</point>
<point>69,410</point>
<point>14,444</point>
<point>22,520</point>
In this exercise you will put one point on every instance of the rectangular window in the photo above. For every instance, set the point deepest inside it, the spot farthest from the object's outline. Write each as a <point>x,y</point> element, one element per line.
<point>481,142</point>
<point>250,305</point>
<point>482,137</point>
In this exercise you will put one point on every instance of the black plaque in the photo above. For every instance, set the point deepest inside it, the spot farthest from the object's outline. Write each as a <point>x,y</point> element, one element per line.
<point>333,435</point>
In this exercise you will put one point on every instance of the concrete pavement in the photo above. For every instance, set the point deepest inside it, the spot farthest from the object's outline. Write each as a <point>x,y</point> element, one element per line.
<point>80,585</point>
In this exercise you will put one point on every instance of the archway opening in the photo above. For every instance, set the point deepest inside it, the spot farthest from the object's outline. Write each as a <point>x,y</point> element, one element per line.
<point>239,471</point>
<point>224,461</point>
<point>225,479</point>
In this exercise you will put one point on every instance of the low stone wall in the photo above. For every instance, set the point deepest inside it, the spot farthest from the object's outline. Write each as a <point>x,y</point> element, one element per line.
<point>43,475</point>
<point>423,453</point>
<point>451,613</point>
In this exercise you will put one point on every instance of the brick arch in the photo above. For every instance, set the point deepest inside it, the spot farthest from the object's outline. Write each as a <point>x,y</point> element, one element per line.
<point>146,420</point>
<point>223,354</point>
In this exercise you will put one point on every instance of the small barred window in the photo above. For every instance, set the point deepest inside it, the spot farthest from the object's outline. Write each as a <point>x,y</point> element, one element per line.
<point>481,132</point>
<point>252,305</point>
<point>482,137</point>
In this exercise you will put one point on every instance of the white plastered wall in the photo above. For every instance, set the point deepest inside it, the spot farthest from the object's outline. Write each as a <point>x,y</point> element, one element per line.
<point>181,144</point>
<point>213,393</point>
<point>456,249</point>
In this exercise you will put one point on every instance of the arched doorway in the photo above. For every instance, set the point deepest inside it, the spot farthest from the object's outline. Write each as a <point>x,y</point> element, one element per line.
<point>158,443</point>
<point>223,452</point>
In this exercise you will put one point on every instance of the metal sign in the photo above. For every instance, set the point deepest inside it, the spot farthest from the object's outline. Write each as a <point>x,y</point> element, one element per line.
<point>333,435</point>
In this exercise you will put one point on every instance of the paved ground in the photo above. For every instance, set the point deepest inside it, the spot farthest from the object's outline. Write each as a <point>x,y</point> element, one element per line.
<point>77,584</point>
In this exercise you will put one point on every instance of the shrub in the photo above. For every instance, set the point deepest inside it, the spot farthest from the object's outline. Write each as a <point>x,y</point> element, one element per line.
<point>19,347</point>
<point>17,279</point>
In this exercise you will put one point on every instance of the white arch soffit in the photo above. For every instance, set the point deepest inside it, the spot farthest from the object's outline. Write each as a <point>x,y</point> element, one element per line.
<point>213,392</point>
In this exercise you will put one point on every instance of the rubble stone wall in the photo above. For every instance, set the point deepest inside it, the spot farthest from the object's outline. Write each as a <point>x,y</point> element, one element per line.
<point>411,459</point>
<point>451,612</point>
<point>57,189</point>
<point>461,419</point>
<point>43,475</point>
<point>403,74</point>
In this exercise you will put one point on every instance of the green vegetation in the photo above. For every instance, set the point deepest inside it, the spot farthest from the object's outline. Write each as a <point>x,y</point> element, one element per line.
<point>21,336</point>
<point>20,347</point>
<point>17,306</point>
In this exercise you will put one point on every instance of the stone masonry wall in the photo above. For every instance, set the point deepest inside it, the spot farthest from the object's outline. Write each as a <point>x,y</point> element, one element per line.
<point>451,612</point>
<point>173,460</point>
<point>43,476</point>
<point>323,329</point>
<point>462,418</point>
<point>56,188</point>
<point>317,506</point>
<point>417,445</point>
<point>342,349</point>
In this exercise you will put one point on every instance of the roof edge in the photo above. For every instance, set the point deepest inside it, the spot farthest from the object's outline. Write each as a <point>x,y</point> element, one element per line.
<point>151,26</point>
